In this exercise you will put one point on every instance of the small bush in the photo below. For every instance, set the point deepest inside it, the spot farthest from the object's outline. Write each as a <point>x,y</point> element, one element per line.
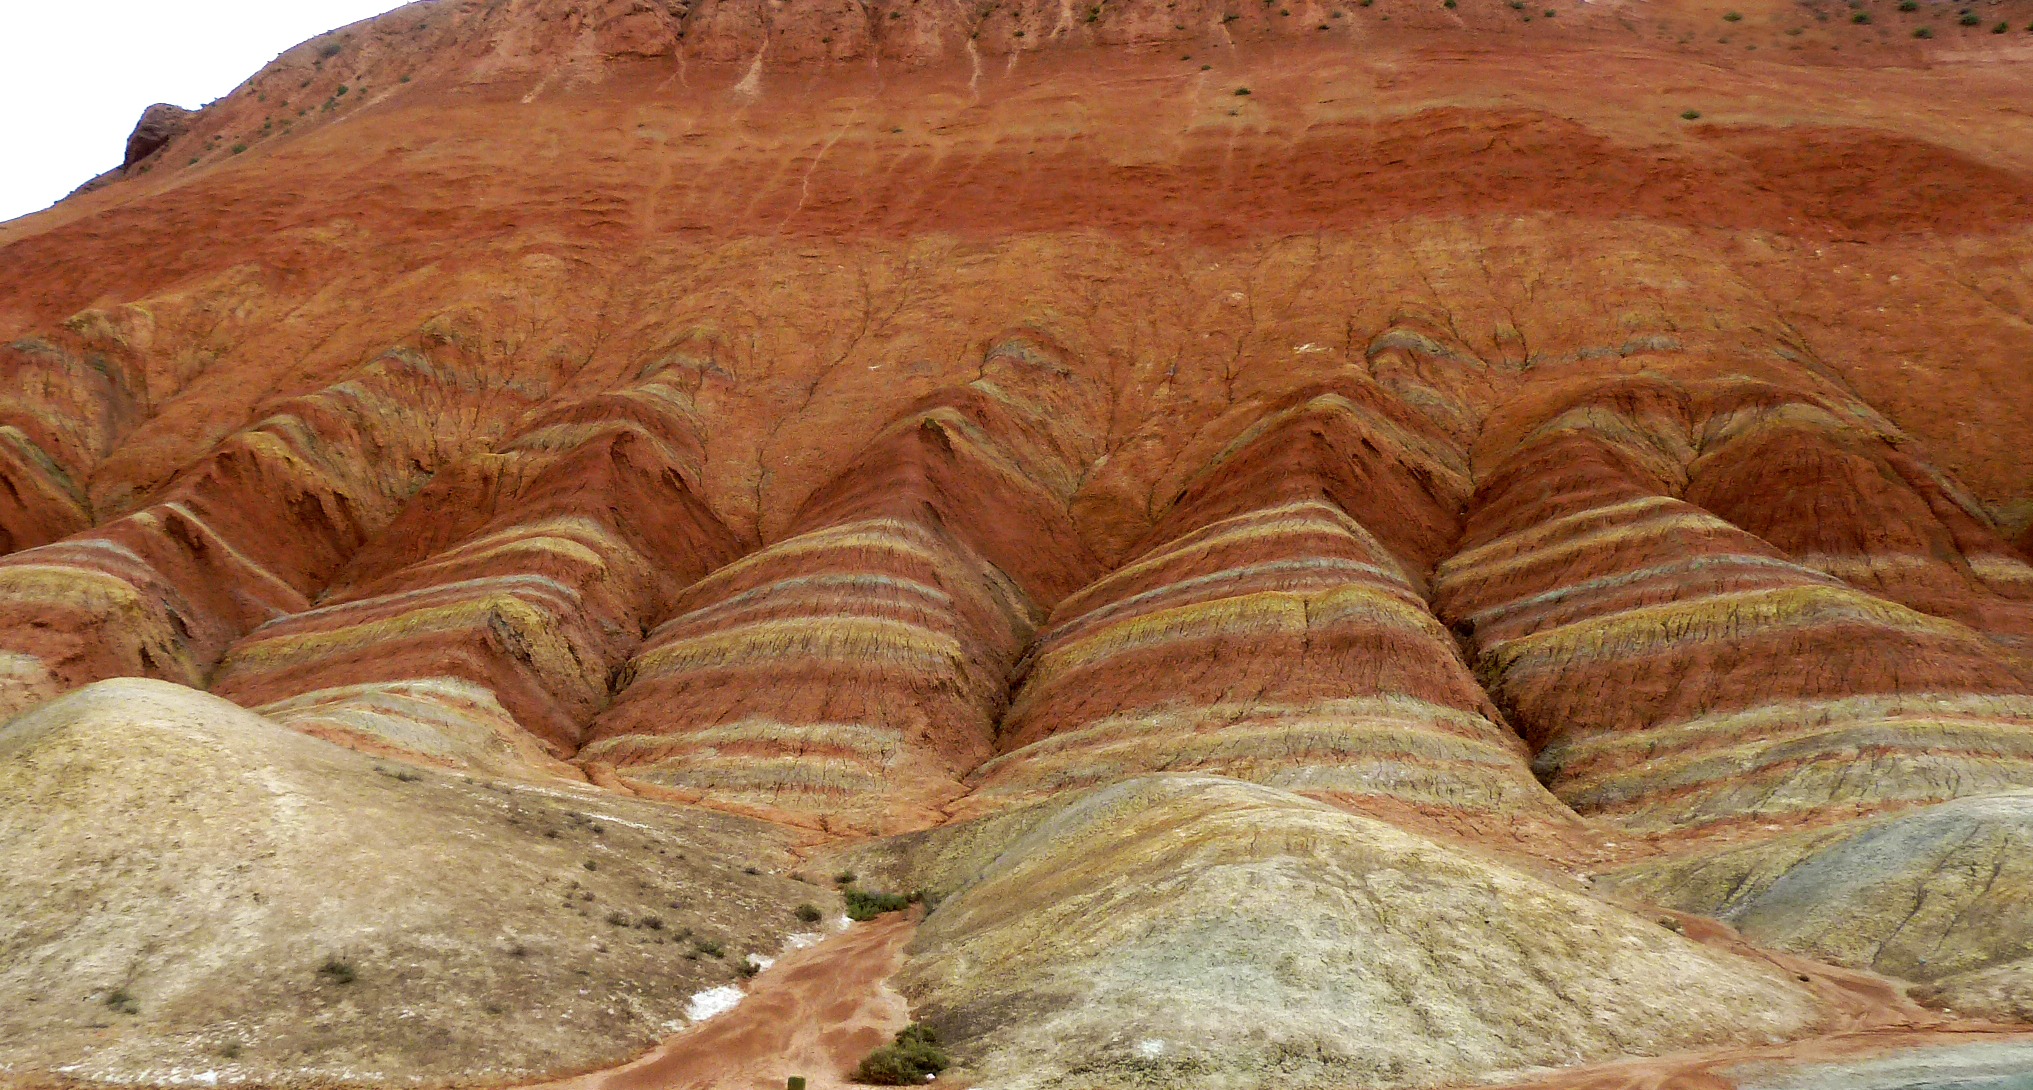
<point>1860,18</point>
<point>330,50</point>
<point>709,948</point>
<point>1909,5</point>
<point>1970,18</point>
<point>123,1002</point>
<point>1241,91</point>
<point>336,971</point>
<point>867,905</point>
<point>748,968</point>
<point>809,913</point>
<point>1690,115</point>
<point>618,919</point>
<point>1448,4</point>
<point>654,923</point>
<point>845,878</point>
<point>590,865</point>
<point>2001,28</point>
<point>1924,32</point>
<point>238,148</point>
<point>1733,16</point>
<point>906,1061</point>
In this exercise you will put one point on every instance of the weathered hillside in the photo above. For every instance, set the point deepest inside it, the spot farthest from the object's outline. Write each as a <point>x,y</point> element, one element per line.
<point>1316,526</point>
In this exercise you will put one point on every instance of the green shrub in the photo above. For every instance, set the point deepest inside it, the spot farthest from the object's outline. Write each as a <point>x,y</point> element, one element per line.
<point>1924,32</point>
<point>1242,91</point>
<point>123,1002</point>
<point>2001,28</point>
<point>1909,5</point>
<point>1690,115</point>
<point>238,148</point>
<point>336,971</point>
<point>906,1061</point>
<point>845,878</point>
<point>1970,18</point>
<point>709,948</point>
<point>330,50</point>
<point>867,905</point>
<point>809,913</point>
<point>1860,18</point>
<point>1732,16</point>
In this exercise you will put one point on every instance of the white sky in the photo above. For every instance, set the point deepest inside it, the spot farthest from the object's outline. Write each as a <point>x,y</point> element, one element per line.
<point>74,77</point>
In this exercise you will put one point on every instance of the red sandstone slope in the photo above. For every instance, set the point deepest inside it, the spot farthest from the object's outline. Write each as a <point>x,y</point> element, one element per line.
<point>915,425</point>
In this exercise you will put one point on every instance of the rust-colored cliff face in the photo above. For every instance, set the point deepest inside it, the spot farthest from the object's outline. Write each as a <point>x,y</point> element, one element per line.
<point>1316,525</point>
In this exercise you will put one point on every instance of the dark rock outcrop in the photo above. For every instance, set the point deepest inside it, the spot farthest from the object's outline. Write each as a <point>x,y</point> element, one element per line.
<point>159,124</point>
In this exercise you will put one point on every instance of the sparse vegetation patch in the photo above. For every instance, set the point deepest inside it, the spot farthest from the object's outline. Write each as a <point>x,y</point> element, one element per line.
<point>905,1061</point>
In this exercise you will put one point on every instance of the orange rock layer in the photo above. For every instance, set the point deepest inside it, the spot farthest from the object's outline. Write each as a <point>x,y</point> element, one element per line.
<point>874,416</point>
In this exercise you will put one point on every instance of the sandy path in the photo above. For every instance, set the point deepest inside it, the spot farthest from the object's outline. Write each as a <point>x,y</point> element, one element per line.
<point>815,1013</point>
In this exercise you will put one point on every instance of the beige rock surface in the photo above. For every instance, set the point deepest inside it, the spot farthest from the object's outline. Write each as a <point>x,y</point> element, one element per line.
<point>180,872</point>
<point>1196,930</point>
<point>1940,895</point>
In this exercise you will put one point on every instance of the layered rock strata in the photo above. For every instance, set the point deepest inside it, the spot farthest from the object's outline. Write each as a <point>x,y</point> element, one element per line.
<point>251,533</point>
<point>1839,494</point>
<point>1675,365</point>
<point>854,671</point>
<point>1267,634</point>
<point>1674,672</point>
<point>60,414</point>
<point>496,609</point>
